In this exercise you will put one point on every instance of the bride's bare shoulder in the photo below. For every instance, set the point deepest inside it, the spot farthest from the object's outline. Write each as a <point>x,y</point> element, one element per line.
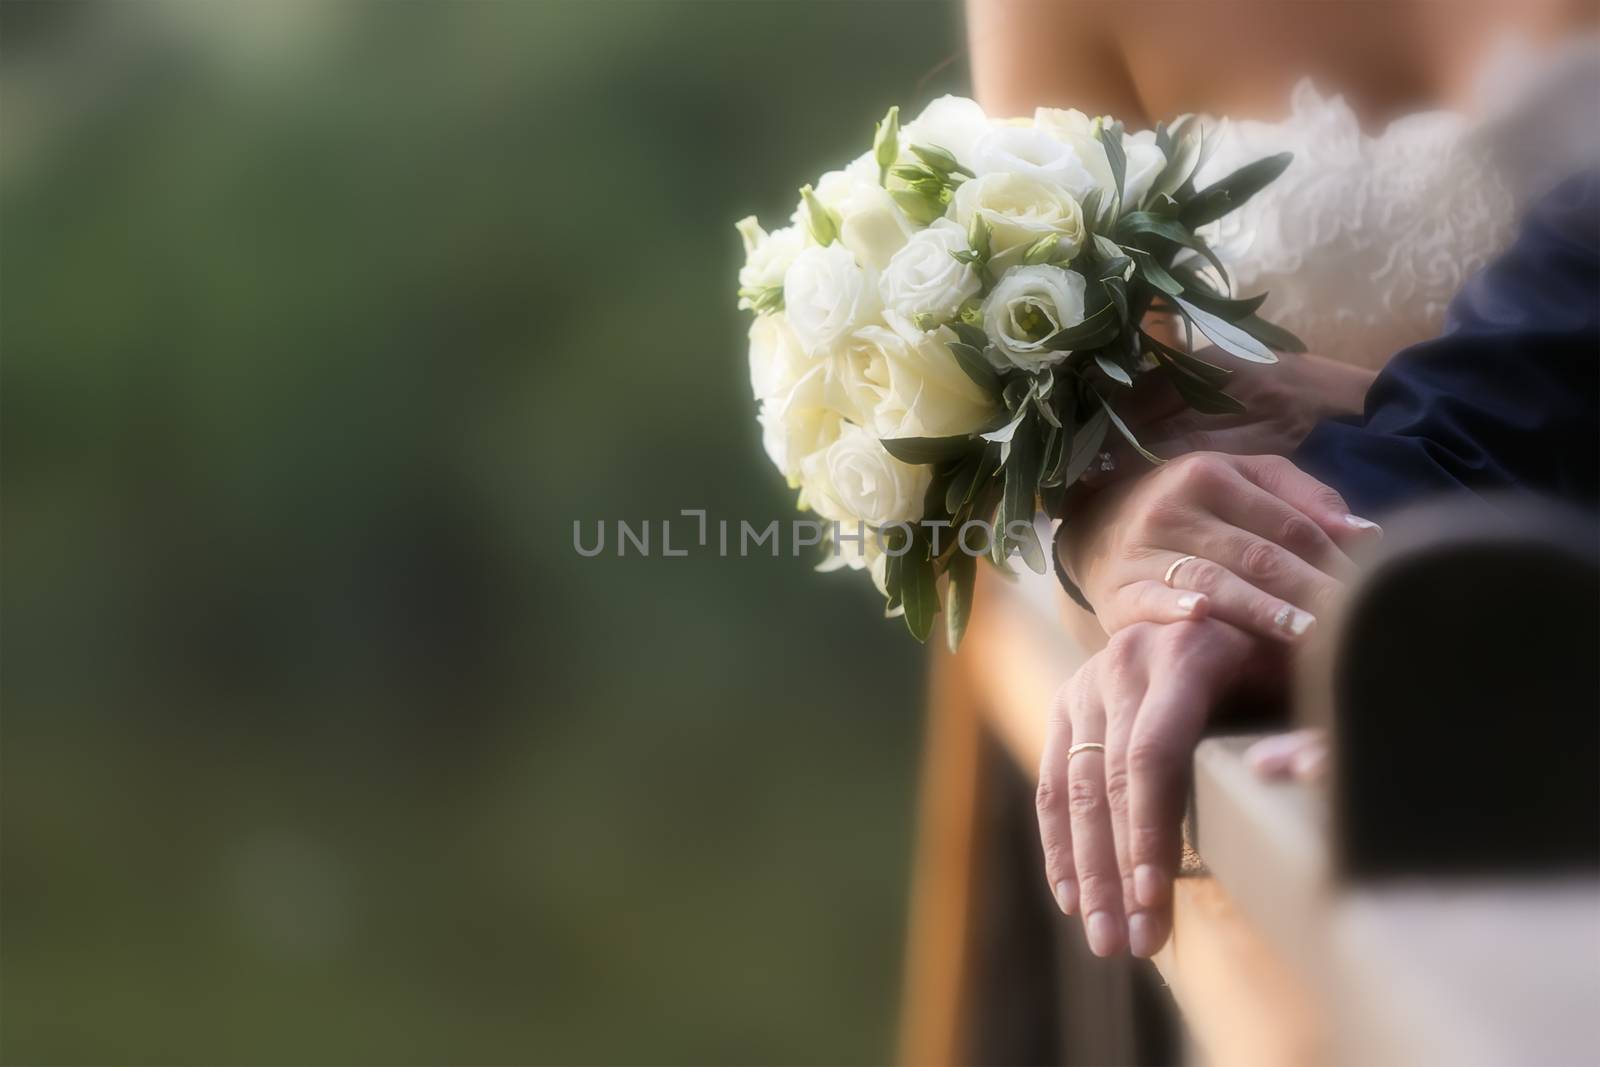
<point>1063,53</point>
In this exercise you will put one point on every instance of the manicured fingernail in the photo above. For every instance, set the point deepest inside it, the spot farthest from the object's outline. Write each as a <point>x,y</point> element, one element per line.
<point>1357,522</point>
<point>1105,933</point>
<point>1144,939</point>
<point>1147,885</point>
<point>1293,620</point>
<point>1189,601</point>
<point>1067,896</point>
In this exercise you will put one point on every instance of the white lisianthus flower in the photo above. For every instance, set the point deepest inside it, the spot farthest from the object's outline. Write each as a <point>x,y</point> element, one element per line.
<point>1063,122</point>
<point>871,224</point>
<point>924,277</point>
<point>1026,307</point>
<point>869,556</point>
<point>1074,129</point>
<point>953,123</point>
<point>1019,210</point>
<point>767,256</point>
<point>855,480</point>
<point>1064,161</point>
<point>1146,161</point>
<point>899,381</point>
<point>826,294</point>
<point>777,359</point>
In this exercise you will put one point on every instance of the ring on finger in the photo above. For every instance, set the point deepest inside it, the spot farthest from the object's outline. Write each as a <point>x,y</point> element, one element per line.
<point>1084,746</point>
<point>1173,568</point>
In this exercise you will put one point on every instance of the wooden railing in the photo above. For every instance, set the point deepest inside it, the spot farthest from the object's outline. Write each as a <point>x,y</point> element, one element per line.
<point>1301,940</point>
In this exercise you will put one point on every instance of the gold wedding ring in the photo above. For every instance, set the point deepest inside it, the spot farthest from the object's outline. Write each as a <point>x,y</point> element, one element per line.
<point>1172,571</point>
<point>1084,746</point>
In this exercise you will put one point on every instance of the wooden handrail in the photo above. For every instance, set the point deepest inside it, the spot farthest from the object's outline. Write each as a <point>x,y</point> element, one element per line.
<point>1271,961</point>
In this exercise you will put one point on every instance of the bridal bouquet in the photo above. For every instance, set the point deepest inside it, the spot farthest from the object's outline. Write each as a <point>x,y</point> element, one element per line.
<point>944,330</point>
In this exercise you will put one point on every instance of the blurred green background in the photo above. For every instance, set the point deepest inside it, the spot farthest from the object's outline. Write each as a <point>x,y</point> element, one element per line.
<point>321,323</point>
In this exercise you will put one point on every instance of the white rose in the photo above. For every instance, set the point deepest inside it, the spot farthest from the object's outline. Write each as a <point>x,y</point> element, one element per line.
<point>767,256</point>
<point>826,294</point>
<point>871,224</point>
<point>1019,210</point>
<point>902,382</point>
<point>856,480</point>
<point>952,123</point>
<point>924,277</point>
<point>1027,306</point>
<point>777,359</point>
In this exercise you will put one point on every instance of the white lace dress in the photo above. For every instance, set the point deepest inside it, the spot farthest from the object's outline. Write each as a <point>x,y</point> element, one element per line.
<point>1366,237</point>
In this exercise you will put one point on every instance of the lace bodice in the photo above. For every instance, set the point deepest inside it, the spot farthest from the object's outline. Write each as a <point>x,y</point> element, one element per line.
<point>1365,238</point>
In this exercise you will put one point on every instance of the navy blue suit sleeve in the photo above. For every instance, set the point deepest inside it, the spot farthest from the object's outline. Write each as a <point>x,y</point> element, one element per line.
<point>1507,398</point>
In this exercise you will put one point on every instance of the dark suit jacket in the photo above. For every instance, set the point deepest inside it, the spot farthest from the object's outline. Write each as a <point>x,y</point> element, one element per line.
<point>1507,398</point>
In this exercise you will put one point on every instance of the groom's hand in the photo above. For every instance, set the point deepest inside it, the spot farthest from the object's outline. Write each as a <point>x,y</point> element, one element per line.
<point>1251,540</point>
<point>1110,820</point>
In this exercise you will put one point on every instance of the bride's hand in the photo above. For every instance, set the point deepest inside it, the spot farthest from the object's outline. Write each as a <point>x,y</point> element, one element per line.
<point>1268,545</point>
